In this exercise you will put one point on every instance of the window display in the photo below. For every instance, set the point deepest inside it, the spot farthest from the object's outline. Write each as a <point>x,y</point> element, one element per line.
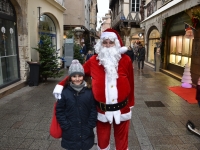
<point>180,50</point>
<point>9,70</point>
<point>48,27</point>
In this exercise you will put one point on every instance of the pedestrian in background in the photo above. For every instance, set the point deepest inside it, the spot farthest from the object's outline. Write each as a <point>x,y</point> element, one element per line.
<point>76,111</point>
<point>130,53</point>
<point>89,55</point>
<point>141,56</point>
<point>135,51</point>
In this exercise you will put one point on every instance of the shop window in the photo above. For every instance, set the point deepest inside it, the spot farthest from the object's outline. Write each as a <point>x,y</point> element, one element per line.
<point>47,27</point>
<point>9,58</point>
<point>180,50</point>
<point>135,5</point>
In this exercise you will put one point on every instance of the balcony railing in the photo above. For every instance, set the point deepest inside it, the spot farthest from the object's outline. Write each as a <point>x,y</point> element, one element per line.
<point>151,7</point>
<point>132,17</point>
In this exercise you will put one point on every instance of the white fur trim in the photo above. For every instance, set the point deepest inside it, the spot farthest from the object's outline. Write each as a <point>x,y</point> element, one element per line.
<point>108,35</point>
<point>123,117</point>
<point>117,115</point>
<point>111,91</point>
<point>123,50</point>
<point>57,91</point>
<point>111,98</point>
<point>107,148</point>
<point>102,117</point>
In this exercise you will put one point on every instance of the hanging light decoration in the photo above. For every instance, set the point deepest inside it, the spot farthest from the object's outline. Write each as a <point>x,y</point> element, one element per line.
<point>189,33</point>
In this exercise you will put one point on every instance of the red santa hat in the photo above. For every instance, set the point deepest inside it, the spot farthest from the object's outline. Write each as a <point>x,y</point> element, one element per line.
<point>113,34</point>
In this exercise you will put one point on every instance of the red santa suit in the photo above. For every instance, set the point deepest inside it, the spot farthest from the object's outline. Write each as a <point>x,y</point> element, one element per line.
<point>114,92</point>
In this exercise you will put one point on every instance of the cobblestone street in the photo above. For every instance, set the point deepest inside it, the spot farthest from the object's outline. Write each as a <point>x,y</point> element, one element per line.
<point>25,116</point>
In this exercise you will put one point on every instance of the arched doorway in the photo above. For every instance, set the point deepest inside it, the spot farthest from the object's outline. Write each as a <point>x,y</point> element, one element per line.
<point>47,26</point>
<point>154,37</point>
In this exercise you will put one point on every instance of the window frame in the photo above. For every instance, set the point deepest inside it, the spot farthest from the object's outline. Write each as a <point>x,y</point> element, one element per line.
<point>134,3</point>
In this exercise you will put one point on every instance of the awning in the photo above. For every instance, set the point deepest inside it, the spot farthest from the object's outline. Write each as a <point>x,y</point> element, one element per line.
<point>162,9</point>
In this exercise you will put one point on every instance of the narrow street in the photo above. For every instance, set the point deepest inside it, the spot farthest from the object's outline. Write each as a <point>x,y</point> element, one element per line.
<point>25,117</point>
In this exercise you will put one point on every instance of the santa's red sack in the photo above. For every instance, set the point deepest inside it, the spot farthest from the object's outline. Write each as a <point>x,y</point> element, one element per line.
<point>55,129</point>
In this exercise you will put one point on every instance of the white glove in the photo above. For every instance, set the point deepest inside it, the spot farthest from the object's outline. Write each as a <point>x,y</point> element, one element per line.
<point>57,96</point>
<point>57,91</point>
<point>123,50</point>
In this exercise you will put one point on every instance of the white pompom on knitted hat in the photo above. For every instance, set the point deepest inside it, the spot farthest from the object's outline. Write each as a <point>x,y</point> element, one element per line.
<point>76,68</point>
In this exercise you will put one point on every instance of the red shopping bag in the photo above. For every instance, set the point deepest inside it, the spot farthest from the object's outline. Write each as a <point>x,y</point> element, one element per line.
<point>55,129</point>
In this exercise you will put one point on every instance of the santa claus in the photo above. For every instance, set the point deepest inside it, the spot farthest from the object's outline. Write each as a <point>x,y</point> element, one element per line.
<point>113,89</point>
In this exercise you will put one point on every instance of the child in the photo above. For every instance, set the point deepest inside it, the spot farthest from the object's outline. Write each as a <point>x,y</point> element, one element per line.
<point>76,111</point>
<point>198,91</point>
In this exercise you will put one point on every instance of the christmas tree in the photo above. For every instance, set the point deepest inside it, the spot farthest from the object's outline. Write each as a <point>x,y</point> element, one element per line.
<point>49,65</point>
<point>77,54</point>
<point>186,78</point>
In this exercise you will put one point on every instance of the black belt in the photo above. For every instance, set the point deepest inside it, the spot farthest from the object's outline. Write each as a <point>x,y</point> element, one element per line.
<point>112,107</point>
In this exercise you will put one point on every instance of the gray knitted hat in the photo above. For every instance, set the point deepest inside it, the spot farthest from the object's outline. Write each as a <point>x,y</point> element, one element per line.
<point>76,68</point>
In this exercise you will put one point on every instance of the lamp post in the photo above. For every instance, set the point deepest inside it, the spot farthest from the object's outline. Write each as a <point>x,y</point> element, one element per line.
<point>79,32</point>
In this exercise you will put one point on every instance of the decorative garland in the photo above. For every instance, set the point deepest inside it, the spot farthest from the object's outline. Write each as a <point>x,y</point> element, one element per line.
<point>195,18</point>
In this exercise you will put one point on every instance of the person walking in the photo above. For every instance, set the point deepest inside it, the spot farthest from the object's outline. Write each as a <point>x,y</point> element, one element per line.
<point>135,50</point>
<point>76,111</point>
<point>113,88</point>
<point>141,56</point>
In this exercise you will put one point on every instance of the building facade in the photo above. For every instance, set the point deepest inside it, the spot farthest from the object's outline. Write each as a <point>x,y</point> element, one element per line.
<point>126,17</point>
<point>165,22</point>
<point>21,24</point>
<point>106,21</point>
<point>77,15</point>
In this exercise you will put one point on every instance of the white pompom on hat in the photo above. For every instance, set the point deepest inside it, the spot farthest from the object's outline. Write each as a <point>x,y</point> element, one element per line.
<point>76,68</point>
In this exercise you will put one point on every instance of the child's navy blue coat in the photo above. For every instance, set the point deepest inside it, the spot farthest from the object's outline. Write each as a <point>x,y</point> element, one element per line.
<point>76,112</point>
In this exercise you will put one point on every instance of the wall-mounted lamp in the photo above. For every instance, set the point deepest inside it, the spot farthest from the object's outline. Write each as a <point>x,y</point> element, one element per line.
<point>78,31</point>
<point>64,36</point>
<point>140,35</point>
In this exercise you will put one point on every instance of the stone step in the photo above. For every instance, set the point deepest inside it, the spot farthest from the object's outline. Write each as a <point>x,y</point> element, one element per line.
<point>12,88</point>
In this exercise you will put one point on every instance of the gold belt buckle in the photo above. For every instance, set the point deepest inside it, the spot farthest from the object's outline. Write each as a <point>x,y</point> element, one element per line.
<point>102,105</point>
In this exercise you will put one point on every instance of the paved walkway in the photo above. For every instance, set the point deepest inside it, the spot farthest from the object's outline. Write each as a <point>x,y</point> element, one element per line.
<point>25,116</point>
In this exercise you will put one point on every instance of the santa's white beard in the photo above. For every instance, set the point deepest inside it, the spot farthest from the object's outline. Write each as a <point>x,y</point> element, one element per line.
<point>109,58</point>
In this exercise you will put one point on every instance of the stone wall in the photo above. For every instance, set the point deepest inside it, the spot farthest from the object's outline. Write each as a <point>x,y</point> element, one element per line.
<point>22,30</point>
